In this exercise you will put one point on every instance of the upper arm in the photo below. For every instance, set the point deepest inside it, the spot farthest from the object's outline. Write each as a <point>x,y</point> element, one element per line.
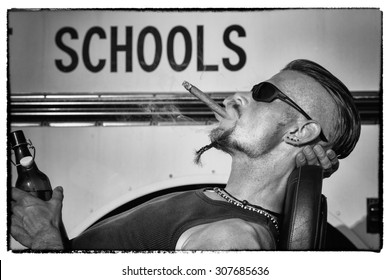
<point>232,234</point>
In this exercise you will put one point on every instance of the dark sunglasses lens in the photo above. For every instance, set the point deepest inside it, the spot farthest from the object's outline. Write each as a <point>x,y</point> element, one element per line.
<point>264,92</point>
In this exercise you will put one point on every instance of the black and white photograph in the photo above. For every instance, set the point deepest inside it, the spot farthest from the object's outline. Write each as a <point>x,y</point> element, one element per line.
<point>247,133</point>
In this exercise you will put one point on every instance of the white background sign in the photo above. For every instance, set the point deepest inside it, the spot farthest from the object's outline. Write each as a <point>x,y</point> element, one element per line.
<point>154,51</point>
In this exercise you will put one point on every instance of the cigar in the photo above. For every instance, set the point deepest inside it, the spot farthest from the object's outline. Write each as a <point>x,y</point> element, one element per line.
<point>205,98</point>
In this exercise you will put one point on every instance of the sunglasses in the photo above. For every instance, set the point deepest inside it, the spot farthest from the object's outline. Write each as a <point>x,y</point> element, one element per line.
<point>267,92</point>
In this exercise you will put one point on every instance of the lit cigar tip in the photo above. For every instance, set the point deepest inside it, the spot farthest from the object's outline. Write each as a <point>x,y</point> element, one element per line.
<point>186,85</point>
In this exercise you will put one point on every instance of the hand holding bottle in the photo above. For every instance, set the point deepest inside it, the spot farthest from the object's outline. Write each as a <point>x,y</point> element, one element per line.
<point>36,223</point>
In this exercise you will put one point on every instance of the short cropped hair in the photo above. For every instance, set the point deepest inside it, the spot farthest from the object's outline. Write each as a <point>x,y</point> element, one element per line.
<point>348,126</point>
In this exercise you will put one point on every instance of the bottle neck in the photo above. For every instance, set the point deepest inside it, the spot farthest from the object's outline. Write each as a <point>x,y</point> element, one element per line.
<point>21,151</point>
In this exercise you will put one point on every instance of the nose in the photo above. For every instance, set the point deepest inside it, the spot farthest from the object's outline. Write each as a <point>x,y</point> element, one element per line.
<point>239,98</point>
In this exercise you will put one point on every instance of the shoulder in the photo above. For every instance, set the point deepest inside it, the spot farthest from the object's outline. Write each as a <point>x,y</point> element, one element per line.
<point>230,234</point>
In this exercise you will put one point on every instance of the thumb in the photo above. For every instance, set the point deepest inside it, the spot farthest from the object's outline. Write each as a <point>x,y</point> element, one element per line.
<point>58,193</point>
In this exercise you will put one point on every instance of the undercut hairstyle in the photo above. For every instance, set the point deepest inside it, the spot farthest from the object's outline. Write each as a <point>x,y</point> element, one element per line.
<point>348,125</point>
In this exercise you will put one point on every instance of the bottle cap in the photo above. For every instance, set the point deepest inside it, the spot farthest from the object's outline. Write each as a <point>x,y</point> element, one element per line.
<point>17,138</point>
<point>27,161</point>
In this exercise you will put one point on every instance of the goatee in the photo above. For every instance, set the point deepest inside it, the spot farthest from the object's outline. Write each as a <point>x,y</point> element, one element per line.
<point>219,140</point>
<point>200,152</point>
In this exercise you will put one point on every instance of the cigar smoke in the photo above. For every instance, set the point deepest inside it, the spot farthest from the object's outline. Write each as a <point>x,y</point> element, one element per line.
<point>167,113</point>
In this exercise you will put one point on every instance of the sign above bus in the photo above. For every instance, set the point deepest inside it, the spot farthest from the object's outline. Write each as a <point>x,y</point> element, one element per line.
<point>135,51</point>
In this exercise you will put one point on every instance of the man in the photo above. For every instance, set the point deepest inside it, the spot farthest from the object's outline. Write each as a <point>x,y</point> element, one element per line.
<point>267,134</point>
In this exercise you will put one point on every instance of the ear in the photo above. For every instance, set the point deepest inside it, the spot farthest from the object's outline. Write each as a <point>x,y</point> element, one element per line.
<point>304,134</point>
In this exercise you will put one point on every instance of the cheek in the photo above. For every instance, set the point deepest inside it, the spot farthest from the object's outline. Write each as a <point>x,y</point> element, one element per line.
<point>247,133</point>
<point>259,130</point>
<point>253,124</point>
<point>258,123</point>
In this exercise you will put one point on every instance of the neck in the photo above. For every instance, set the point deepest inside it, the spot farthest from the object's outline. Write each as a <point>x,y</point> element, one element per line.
<point>260,181</point>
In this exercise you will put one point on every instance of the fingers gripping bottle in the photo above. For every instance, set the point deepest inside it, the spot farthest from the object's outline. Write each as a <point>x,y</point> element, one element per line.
<point>30,178</point>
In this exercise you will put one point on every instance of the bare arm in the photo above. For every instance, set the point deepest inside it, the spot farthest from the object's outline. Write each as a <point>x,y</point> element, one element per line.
<point>231,234</point>
<point>36,223</point>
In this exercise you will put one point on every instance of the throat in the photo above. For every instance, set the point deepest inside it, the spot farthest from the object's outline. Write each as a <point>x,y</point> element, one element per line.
<point>259,184</point>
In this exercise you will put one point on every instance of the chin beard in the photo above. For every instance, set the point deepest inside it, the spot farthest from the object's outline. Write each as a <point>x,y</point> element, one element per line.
<point>219,140</point>
<point>223,140</point>
<point>199,153</point>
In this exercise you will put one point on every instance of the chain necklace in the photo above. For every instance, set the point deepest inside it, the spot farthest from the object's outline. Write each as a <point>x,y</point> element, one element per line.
<point>245,205</point>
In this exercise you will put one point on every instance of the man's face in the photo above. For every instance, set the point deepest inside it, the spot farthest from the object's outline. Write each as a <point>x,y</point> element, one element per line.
<point>255,128</point>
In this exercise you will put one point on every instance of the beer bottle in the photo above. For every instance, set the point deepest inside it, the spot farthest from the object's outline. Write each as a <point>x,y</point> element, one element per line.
<point>30,178</point>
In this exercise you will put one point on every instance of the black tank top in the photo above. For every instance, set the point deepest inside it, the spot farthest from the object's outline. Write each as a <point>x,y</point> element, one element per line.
<point>158,224</point>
